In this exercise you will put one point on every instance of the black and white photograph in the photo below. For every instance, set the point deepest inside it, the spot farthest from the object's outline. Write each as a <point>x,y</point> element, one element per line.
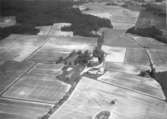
<point>83,59</point>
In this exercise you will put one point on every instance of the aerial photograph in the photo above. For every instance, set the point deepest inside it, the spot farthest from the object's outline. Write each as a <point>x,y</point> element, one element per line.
<point>83,59</point>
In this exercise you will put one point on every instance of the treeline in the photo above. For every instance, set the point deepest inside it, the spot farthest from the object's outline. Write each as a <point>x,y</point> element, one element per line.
<point>47,12</point>
<point>152,32</point>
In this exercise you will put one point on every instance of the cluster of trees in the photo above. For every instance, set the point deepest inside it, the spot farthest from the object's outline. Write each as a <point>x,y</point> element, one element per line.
<point>82,58</point>
<point>76,57</point>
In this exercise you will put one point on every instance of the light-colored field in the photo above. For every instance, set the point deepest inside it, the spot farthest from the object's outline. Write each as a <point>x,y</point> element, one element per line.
<point>60,47</point>
<point>114,54</point>
<point>39,85</point>
<point>122,26</point>
<point>54,30</point>
<point>51,67</point>
<point>43,30</point>
<point>48,55</point>
<point>14,109</point>
<point>91,97</point>
<point>10,71</point>
<point>146,86</point>
<point>19,47</point>
<point>125,68</point>
<point>48,71</point>
<point>68,44</point>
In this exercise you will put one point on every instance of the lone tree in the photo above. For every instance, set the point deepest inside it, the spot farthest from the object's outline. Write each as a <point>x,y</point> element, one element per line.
<point>98,52</point>
<point>100,39</point>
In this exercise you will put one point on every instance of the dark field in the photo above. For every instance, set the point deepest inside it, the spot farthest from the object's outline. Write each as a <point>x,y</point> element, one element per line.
<point>31,14</point>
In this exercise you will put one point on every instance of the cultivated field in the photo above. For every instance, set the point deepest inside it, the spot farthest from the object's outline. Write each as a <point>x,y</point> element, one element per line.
<point>39,86</point>
<point>91,97</point>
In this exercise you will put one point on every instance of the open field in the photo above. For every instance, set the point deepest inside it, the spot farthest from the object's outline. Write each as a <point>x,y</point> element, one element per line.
<point>10,71</point>
<point>148,42</point>
<point>146,86</point>
<point>61,46</point>
<point>136,97</point>
<point>14,109</point>
<point>125,68</point>
<point>114,54</point>
<point>136,56</point>
<point>19,47</point>
<point>48,55</point>
<point>118,38</point>
<point>159,57</point>
<point>38,86</point>
<point>91,97</point>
